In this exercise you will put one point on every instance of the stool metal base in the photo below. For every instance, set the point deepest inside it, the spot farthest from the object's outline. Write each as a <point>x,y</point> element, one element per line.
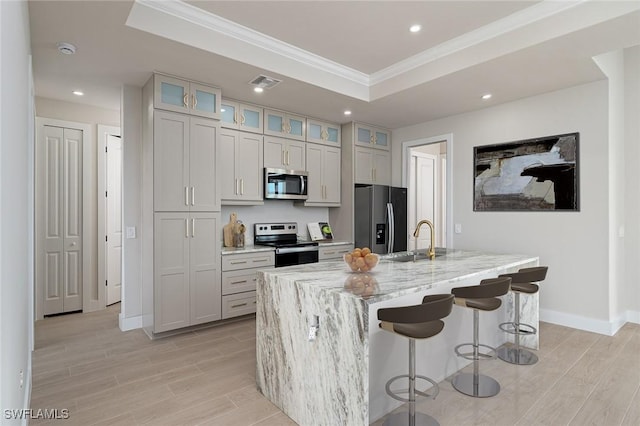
<point>479,386</point>
<point>517,356</point>
<point>404,419</point>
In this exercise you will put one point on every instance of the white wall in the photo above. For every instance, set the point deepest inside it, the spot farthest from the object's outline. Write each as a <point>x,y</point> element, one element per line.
<point>15,128</point>
<point>131,309</point>
<point>79,113</point>
<point>630,295</point>
<point>572,244</point>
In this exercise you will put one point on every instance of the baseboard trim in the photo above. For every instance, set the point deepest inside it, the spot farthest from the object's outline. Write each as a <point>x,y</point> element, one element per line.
<point>130,323</point>
<point>27,392</point>
<point>608,328</point>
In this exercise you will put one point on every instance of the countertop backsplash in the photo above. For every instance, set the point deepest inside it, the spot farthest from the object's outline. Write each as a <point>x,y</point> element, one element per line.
<point>278,211</point>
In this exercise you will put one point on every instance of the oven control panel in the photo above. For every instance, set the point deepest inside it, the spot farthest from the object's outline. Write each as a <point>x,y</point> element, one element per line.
<point>275,228</point>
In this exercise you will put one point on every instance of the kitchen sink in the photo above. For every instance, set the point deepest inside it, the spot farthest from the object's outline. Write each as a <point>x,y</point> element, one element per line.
<point>414,256</point>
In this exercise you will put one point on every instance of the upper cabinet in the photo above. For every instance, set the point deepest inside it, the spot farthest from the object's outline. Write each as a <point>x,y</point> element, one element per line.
<point>241,172</point>
<point>280,153</point>
<point>372,166</point>
<point>324,133</point>
<point>185,163</point>
<point>174,94</point>
<point>323,166</point>
<point>236,115</point>
<point>283,124</point>
<point>372,137</point>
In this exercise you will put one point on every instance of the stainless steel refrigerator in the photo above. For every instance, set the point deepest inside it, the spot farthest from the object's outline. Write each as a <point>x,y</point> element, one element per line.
<point>381,218</point>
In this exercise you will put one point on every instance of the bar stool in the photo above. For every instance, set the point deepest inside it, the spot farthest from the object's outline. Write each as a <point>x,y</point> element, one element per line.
<point>521,282</point>
<point>415,322</point>
<point>483,297</point>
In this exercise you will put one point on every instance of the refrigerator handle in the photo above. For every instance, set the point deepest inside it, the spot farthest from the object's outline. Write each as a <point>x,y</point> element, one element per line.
<point>391,228</point>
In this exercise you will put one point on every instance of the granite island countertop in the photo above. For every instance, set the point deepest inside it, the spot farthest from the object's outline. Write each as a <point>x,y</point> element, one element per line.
<point>394,279</point>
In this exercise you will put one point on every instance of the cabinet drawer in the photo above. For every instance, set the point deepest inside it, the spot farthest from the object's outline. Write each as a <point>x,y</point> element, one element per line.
<point>238,304</point>
<point>233,262</point>
<point>334,252</point>
<point>239,281</point>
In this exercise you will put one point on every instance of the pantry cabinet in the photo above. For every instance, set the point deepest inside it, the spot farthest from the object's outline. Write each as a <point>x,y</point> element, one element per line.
<point>281,153</point>
<point>323,166</point>
<point>185,163</point>
<point>187,97</point>
<point>372,166</point>
<point>186,270</point>
<point>240,116</point>
<point>241,172</point>
<point>284,124</point>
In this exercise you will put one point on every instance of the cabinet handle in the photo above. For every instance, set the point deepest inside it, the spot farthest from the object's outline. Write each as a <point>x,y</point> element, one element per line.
<point>235,117</point>
<point>238,262</point>
<point>194,101</point>
<point>185,100</point>
<point>259,260</point>
<point>239,282</point>
<point>324,135</point>
<point>241,186</point>
<point>288,158</point>
<point>371,139</point>
<point>375,174</point>
<point>242,119</point>
<point>193,195</point>
<point>239,306</point>
<point>186,195</point>
<point>193,228</point>
<point>186,228</point>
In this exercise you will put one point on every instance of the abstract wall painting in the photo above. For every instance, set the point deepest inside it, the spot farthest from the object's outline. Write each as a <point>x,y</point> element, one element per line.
<point>530,175</point>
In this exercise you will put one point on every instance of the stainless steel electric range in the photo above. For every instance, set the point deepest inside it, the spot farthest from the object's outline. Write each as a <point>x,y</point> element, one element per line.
<point>284,237</point>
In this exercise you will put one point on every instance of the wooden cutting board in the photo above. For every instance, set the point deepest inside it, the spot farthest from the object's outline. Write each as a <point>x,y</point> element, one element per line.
<point>227,230</point>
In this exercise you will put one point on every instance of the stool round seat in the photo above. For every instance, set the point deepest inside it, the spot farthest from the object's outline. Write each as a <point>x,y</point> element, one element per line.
<point>415,322</point>
<point>482,297</point>
<point>523,281</point>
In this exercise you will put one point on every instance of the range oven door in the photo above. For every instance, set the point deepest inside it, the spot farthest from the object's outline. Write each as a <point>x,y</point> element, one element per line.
<point>285,184</point>
<point>289,256</point>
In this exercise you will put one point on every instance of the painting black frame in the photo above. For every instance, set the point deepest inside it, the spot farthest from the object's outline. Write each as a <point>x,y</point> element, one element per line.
<point>564,175</point>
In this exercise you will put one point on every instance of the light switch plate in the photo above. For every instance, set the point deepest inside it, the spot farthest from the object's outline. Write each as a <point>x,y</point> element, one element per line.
<point>131,231</point>
<point>458,228</point>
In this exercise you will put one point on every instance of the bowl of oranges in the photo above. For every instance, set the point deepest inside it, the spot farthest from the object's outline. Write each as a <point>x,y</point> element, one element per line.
<point>361,260</point>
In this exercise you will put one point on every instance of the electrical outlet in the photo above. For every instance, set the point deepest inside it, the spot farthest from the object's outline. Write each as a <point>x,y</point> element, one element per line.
<point>458,228</point>
<point>21,375</point>
<point>131,231</point>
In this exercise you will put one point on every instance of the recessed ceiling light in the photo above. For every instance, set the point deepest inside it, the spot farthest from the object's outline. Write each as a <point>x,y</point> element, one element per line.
<point>66,48</point>
<point>487,96</point>
<point>347,112</point>
<point>415,28</point>
<point>258,89</point>
<point>78,93</point>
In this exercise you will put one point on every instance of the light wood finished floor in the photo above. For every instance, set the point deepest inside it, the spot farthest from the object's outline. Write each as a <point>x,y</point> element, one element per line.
<point>84,363</point>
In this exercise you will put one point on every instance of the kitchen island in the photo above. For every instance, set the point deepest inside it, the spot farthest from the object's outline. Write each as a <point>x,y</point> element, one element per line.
<point>321,357</point>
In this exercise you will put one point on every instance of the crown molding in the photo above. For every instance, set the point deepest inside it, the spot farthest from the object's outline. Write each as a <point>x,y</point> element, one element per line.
<point>220,25</point>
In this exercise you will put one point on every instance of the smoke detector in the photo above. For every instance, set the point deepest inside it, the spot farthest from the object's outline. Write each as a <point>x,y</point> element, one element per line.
<point>264,82</point>
<point>66,48</point>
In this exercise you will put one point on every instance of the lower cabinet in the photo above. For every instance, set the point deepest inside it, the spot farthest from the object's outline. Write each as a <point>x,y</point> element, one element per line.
<point>334,251</point>
<point>239,277</point>
<point>187,285</point>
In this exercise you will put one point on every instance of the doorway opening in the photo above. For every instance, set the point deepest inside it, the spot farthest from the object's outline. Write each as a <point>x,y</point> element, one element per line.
<point>428,181</point>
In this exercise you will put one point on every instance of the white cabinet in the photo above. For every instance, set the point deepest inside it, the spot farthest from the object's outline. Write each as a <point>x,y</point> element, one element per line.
<point>372,137</point>
<point>188,97</point>
<point>239,276</point>
<point>241,176</point>
<point>280,153</point>
<point>186,270</point>
<point>240,116</point>
<point>323,166</point>
<point>372,166</point>
<point>280,123</point>
<point>185,163</point>
<point>324,133</point>
<point>333,251</point>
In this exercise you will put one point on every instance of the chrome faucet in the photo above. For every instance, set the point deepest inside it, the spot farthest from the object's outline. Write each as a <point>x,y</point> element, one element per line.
<point>431,253</point>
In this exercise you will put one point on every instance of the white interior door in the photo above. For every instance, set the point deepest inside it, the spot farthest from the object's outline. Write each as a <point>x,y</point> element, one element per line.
<point>113,252</point>
<point>59,219</point>
<point>424,205</point>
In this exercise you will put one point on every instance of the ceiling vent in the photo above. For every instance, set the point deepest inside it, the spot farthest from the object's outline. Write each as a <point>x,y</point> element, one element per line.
<point>264,82</point>
<point>66,48</point>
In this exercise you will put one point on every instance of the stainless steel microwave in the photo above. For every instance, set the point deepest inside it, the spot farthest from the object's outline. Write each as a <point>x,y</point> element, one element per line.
<point>281,184</point>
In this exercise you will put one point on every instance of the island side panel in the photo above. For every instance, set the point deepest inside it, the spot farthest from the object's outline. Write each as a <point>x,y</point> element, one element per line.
<point>318,382</point>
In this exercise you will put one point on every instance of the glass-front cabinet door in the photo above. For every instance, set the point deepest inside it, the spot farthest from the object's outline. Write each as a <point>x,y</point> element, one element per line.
<point>381,139</point>
<point>229,114</point>
<point>364,135</point>
<point>279,123</point>
<point>324,133</point>
<point>372,137</point>
<point>250,118</point>
<point>174,94</point>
